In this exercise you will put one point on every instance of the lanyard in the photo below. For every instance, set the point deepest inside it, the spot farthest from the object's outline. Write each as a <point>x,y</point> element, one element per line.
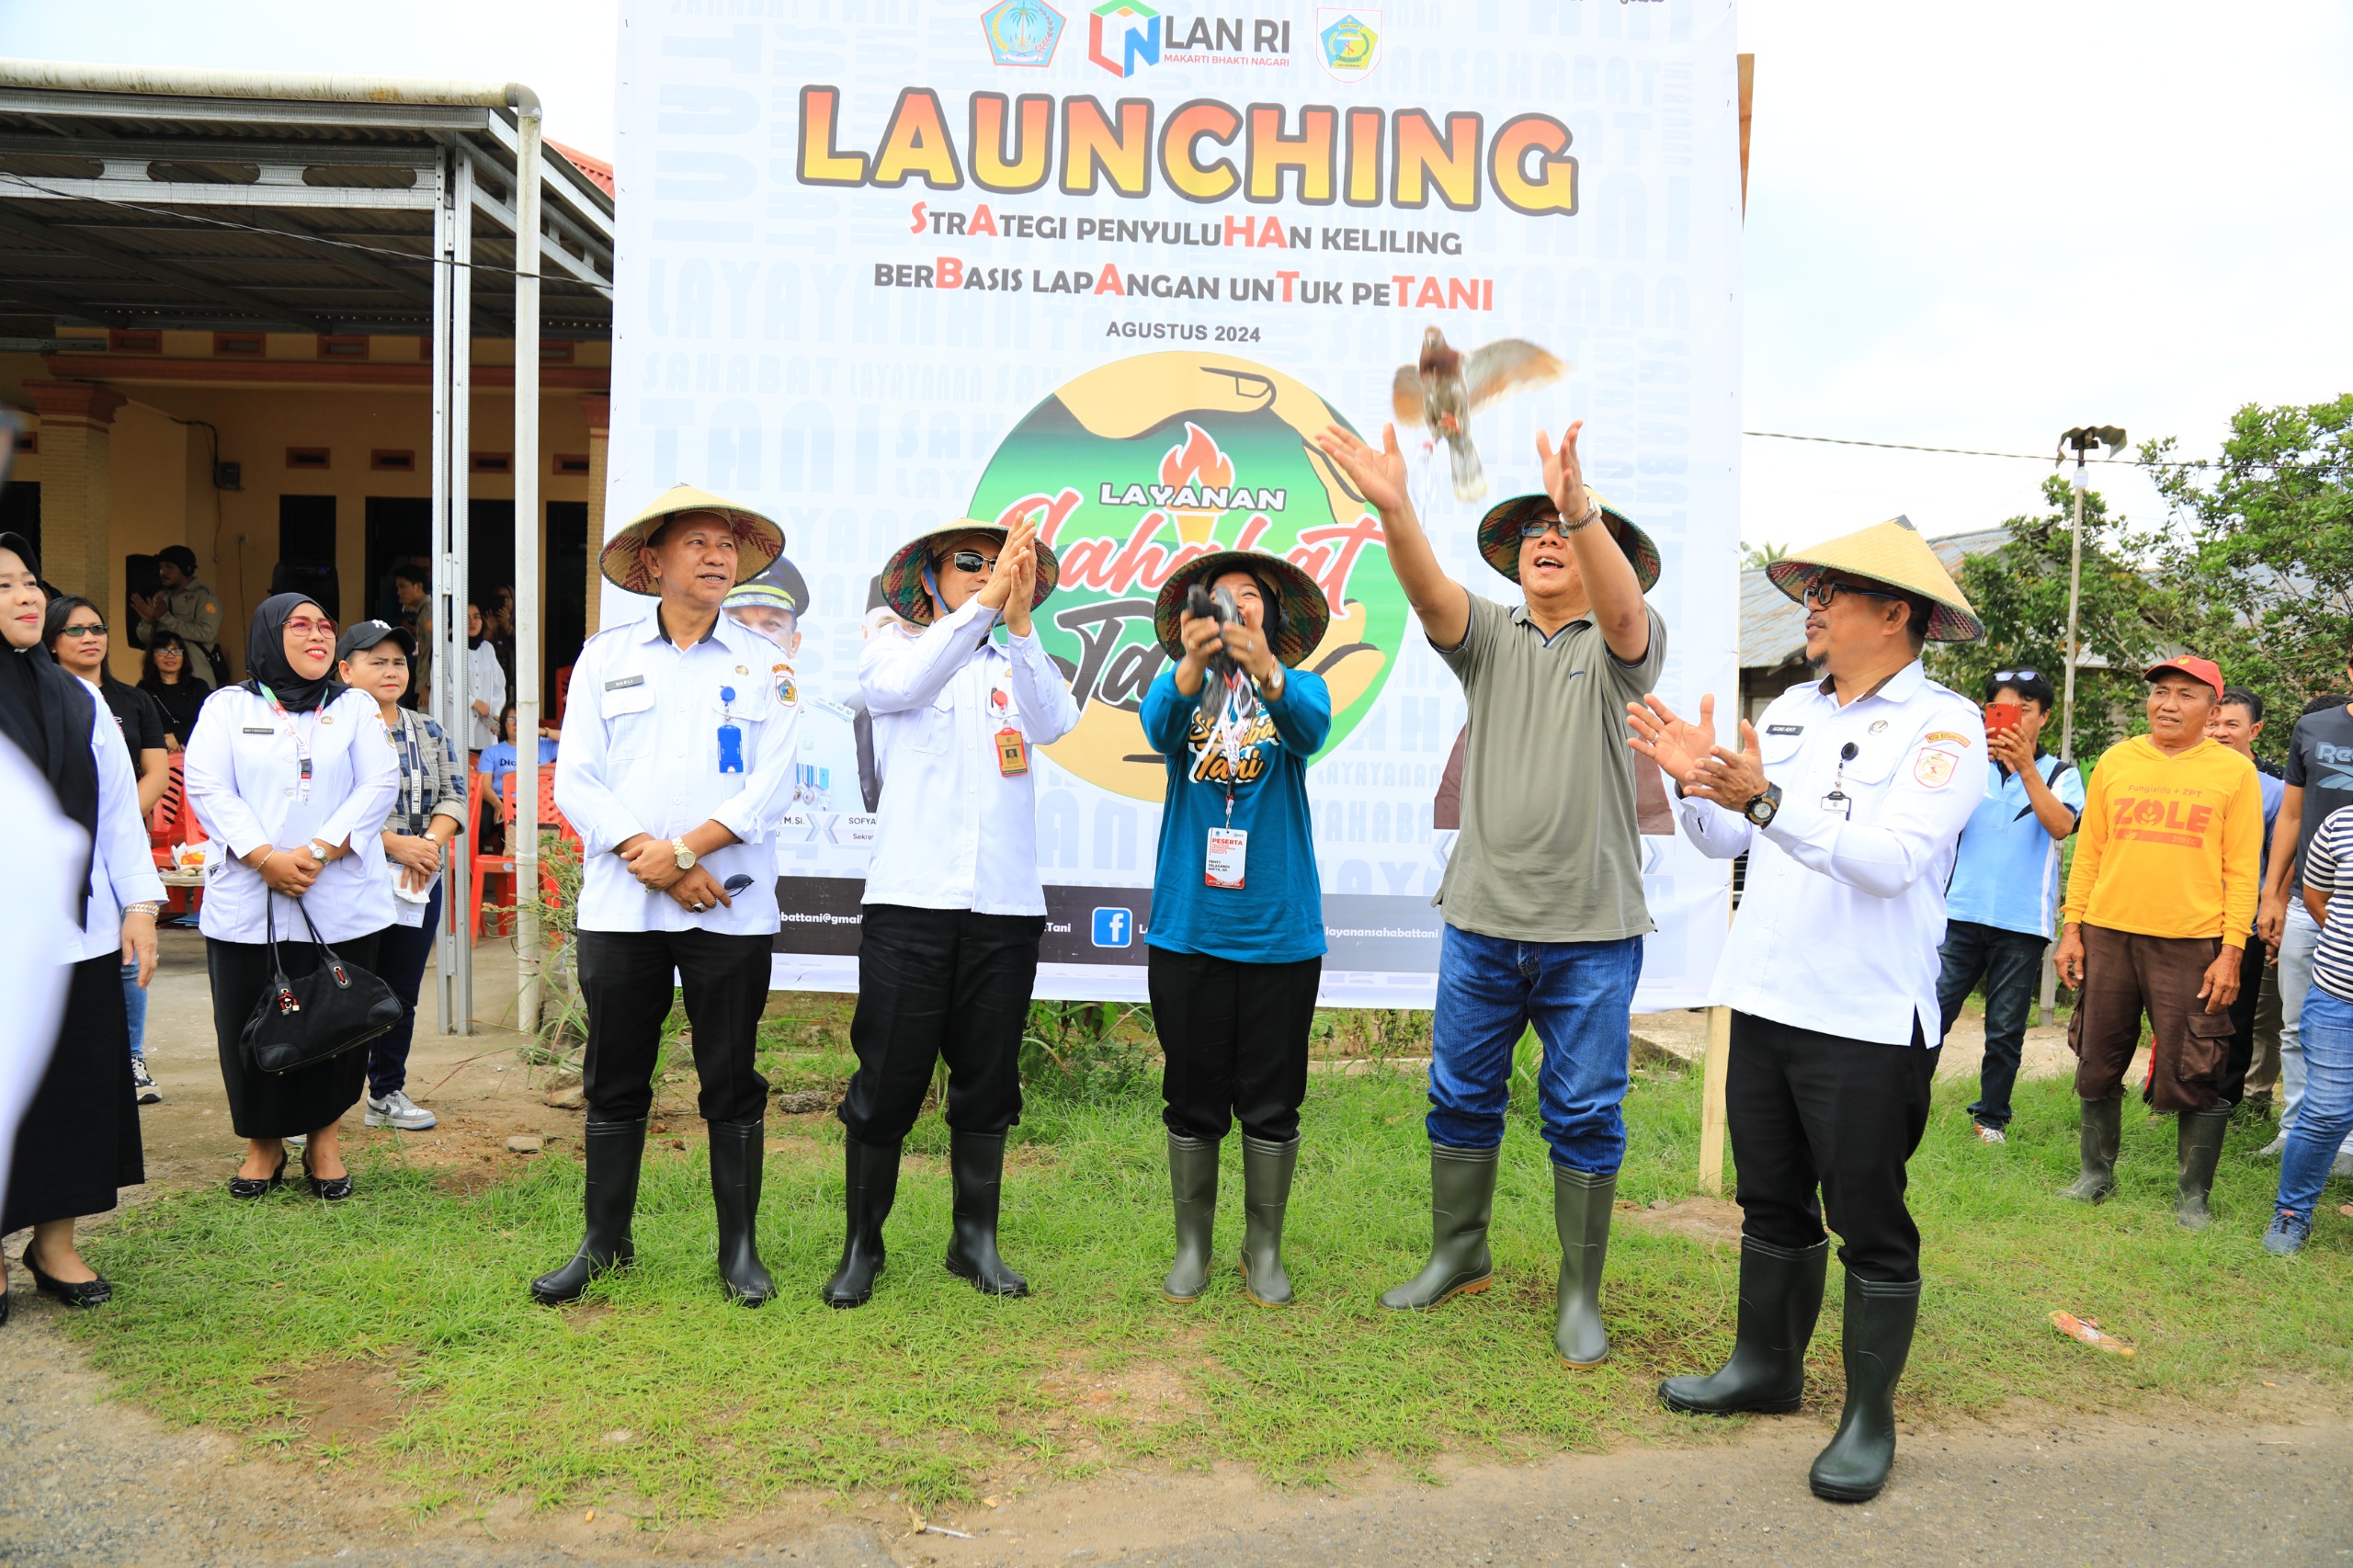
<point>302,742</point>
<point>1234,722</point>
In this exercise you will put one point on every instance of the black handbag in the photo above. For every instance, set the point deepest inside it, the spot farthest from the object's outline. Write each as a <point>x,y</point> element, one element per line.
<point>300,1023</point>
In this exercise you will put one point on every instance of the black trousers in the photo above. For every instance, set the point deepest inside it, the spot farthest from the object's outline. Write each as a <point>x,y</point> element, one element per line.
<point>625,981</point>
<point>78,1143</point>
<point>934,985</point>
<point>279,1105</point>
<point>1234,1040</point>
<point>2254,973</point>
<point>1810,1112</point>
<point>401,953</point>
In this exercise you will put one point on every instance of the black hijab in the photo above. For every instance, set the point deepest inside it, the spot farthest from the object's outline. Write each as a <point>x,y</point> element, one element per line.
<point>265,657</point>
<point>49,715</point>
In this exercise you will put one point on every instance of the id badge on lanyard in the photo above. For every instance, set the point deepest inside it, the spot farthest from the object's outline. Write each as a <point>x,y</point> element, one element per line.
<point>731,734</point>
<point>301,791</point>
<point>1012,749</point>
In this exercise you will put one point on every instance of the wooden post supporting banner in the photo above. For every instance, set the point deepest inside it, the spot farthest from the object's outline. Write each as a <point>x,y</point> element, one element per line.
<point>1712,1101</point>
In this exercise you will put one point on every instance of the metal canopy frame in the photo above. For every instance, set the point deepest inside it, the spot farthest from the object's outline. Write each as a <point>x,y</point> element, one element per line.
<point>136,199</point>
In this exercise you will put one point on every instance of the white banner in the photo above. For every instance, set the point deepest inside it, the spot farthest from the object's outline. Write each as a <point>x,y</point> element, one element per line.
<point>1113,269</point>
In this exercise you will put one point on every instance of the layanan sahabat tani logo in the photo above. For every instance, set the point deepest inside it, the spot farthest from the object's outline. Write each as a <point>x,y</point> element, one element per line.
<point>1140,465</point>
<point>1351,41</point>
<point>1022,32</point>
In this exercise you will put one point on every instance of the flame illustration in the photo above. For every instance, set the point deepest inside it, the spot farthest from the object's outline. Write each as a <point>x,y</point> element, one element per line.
<point>1196,462</point>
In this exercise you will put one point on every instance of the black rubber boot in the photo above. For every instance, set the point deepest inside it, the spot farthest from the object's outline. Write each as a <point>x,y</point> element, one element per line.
<point>1880,1318</point>
<point>1267,1170</point>
<point>612,1151</point>
<point>1581,1205</point>
<point>738,1151</point>
<point>977,1162</point>
<point>1192,1184</point>
<point>1463,1202</point>
<point>872,1187</point>
<point>1781,1299</point>
<point>2202,1149</point>
<point>2102,1133</point>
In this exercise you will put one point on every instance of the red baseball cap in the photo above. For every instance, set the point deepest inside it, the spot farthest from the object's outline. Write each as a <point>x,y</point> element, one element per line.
<point>2196,668</point>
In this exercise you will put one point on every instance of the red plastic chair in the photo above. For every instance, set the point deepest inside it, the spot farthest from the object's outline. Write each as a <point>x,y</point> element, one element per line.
<point>551,821</point>
<point>174,822</point>
<point>485,866</point>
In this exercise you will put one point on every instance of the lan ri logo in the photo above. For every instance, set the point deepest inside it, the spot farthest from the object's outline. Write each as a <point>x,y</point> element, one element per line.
<point>1123,35</point>
<point>1022,32</point>
<point>1351,41</point>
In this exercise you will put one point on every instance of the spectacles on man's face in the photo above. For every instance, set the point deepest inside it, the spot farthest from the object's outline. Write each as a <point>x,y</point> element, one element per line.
<point>1822,595</point>
<point>87,628</point>
<point>972,560</point>
<point>1537,527</point>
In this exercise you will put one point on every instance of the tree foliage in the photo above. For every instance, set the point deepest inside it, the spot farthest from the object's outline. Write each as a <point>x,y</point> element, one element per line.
<point>2021,593</point>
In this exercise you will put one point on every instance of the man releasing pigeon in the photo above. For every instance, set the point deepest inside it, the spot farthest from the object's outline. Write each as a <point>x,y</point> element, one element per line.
<point>1448,386</point>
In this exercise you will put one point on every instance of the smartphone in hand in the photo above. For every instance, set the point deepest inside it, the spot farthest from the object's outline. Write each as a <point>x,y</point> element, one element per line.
<point>2002,717</point>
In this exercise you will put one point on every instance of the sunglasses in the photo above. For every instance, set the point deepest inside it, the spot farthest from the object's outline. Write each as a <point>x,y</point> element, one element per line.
<point>99,630</point>
<point>972,560</point>
<point>2003,677</point>
<point>1824,594</point>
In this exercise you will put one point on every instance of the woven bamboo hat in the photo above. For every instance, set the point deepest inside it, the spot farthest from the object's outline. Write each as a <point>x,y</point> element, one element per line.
<point>1303,612</point>
<point>1499,535</point>
<point>902,584</point>
<point>758,541</point>
<point>1892,552</point>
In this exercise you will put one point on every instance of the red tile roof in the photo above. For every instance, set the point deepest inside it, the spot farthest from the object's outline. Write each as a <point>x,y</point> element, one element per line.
<point>596,169</point>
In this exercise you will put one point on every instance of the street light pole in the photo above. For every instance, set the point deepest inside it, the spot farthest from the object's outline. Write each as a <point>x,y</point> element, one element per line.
<point>2079,440</point>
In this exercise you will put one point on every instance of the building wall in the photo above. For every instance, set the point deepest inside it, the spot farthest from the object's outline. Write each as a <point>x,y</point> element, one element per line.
<point>161,457</point>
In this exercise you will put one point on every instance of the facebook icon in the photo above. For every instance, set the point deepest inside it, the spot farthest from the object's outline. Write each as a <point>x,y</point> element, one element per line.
<point>1113,928</point>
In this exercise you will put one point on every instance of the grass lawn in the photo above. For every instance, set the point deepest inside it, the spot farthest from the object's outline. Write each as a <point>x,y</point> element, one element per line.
<point>655,1391</point>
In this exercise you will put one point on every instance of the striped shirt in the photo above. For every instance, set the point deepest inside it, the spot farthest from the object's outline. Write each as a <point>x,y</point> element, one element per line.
<point>2328,869</point>
<point>432,784</point>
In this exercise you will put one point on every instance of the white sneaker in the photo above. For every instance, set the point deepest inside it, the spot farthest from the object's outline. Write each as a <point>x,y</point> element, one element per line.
<point>1990,1134</point>
<point>2343,1164</point>
<point>2272,1150</point>
<point>142,1083</point>
<point>396,1109</point>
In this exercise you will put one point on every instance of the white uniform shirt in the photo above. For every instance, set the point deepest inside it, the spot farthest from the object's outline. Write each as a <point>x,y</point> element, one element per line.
<point>245,780</point>
<point>954,831</point>
<point>487,681</point>
<point>1842,915</point>
<point>640,754</point>
<point>122,862</point>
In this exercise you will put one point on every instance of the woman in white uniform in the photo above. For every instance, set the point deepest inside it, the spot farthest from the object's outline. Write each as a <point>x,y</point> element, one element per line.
<point>485,683</point>
<point>291,771</point>
<point>79,1140</point>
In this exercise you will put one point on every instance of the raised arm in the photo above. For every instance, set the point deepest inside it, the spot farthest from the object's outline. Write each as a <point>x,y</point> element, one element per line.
<point>1442,605</point>
<point>1610,585</point>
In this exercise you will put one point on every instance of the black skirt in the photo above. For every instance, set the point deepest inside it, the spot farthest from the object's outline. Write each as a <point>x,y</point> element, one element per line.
<point>279,1105</point>
<point>80,1139</point>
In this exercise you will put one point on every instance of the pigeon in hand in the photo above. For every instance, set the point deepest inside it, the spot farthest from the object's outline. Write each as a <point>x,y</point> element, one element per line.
<point>1448,386</point>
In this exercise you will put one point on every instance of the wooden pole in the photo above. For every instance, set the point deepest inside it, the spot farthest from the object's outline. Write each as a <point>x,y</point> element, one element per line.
<point>1712,1101</point>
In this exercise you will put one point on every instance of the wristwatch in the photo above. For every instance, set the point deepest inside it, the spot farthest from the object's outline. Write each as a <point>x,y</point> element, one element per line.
<point>1761,810</point>
<point>686,856</point>
<point>318,851</point>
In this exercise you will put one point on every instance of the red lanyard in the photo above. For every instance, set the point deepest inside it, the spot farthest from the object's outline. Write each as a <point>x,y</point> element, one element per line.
<point>302,742</point>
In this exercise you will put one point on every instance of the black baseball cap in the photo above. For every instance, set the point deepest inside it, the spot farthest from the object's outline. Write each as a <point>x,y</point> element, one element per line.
<point>367,633</point>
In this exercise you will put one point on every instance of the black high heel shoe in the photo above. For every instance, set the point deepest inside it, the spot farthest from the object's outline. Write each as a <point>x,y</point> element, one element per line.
<point>258,1187</point>
<point>95,1293</point>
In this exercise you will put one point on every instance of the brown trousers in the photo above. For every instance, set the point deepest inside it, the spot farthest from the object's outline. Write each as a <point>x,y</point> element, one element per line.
<point>2125,975</point>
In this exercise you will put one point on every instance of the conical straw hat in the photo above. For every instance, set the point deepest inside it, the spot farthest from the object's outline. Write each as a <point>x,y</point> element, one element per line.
<point>759,541</point>
<point>1892,552</point>
<point>902,578</point>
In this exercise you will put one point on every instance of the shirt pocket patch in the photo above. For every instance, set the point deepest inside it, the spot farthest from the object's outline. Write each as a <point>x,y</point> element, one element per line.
<point>931,727</point>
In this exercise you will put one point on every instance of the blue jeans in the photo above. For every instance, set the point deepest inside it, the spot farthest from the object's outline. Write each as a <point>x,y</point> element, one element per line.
<point>2010,963</point>
<point>2327,1112</point>
<point>134,1007</point>
<point>1578,996</point>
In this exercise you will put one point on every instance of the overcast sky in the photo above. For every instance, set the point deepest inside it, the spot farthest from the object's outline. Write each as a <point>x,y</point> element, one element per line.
<point>1968,226</point>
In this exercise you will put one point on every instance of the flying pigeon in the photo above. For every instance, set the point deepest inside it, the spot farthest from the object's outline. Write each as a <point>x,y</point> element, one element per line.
<point>1448,386</point>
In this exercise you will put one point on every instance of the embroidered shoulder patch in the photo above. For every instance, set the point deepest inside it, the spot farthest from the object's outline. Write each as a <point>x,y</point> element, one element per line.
<point>1946,738</point>
<point>1933,766</point>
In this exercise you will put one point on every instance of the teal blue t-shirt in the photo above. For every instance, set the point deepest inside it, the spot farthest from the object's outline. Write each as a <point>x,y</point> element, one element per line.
<point>1276,914</point>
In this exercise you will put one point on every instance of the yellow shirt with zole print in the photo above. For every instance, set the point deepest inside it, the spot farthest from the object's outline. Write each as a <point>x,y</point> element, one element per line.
<point>2169,845</point>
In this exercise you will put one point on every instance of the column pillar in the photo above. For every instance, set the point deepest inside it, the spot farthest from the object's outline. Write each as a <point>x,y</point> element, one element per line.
<point>76,445</point>
<point>599,407</point>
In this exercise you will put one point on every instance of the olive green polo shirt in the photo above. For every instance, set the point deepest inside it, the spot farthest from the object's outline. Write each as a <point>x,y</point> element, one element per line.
<point>1550,850</point>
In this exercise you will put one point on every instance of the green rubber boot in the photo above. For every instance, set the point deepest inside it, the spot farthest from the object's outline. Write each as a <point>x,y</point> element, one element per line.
<point>2202,1149</point>
<point>1267,1170</point>
<point>1463,1202</point>
<point>2099,1138</point>
<point>1879,1319</point>
<point>1581,1205</point>
<point>1192,1182</point>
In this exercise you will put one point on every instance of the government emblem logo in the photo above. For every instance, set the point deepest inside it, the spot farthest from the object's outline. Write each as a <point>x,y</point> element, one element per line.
<point>1350,40</point>
<point>1022,32</point>
<point>1123,35</point>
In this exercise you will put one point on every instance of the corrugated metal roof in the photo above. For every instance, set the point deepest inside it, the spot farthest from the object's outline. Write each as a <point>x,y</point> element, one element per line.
<point>1772,624</point>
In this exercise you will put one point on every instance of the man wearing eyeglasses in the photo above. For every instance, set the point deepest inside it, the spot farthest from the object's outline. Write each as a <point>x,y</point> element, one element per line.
<point>2004,892</point>
<point>1543,895</point>
<point>1849,806</point>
